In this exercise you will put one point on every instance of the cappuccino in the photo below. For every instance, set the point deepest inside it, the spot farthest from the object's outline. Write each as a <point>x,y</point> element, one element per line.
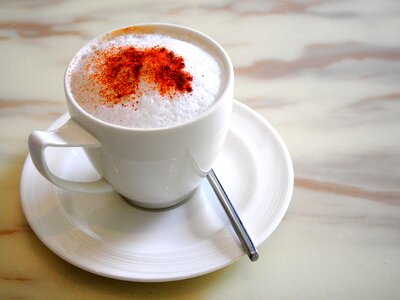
<point>145,79</point>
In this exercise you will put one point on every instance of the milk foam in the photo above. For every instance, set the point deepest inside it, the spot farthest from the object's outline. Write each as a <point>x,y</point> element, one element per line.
<point>153,109</point>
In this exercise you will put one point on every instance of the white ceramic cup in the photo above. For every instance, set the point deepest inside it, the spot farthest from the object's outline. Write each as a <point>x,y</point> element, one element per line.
<point>153,168</point>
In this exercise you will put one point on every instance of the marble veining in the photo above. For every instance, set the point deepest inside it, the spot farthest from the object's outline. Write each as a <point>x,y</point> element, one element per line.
<point>324,73</point>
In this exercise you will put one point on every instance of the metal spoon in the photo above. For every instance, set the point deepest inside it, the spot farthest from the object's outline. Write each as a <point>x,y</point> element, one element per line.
<point>236,223</point>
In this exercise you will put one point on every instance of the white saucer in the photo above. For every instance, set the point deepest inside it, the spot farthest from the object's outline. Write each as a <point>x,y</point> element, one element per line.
<point>104,234</point>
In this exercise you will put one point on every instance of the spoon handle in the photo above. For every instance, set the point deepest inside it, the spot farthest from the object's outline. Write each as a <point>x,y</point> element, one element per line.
<point>236,223</point>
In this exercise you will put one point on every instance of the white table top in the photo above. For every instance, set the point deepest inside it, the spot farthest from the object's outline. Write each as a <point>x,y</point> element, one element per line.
<point>324,74</point>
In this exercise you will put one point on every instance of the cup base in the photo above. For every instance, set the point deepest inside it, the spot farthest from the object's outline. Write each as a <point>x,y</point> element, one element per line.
<point>156,208</point>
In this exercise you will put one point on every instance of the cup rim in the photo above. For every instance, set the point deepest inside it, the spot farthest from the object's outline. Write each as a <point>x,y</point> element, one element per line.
<point>225,60</point>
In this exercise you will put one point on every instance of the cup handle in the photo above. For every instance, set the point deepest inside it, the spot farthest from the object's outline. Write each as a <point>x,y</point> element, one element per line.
<point>69,135</point>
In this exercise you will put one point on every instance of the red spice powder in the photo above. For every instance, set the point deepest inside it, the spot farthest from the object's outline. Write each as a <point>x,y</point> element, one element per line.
<point>119,70</point>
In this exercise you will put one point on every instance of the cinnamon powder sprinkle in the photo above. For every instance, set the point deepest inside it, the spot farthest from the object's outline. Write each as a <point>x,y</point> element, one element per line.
<point>119,70</point>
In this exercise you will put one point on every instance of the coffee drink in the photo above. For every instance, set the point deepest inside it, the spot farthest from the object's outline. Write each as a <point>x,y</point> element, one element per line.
<point>150,105</point>
<point>138,78</point>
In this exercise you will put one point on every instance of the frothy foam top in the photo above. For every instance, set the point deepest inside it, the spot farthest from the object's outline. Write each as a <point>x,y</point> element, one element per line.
<point>144,80</point>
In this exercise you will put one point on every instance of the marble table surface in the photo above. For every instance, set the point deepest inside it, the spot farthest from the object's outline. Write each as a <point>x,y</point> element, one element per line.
<point>325,74</point>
